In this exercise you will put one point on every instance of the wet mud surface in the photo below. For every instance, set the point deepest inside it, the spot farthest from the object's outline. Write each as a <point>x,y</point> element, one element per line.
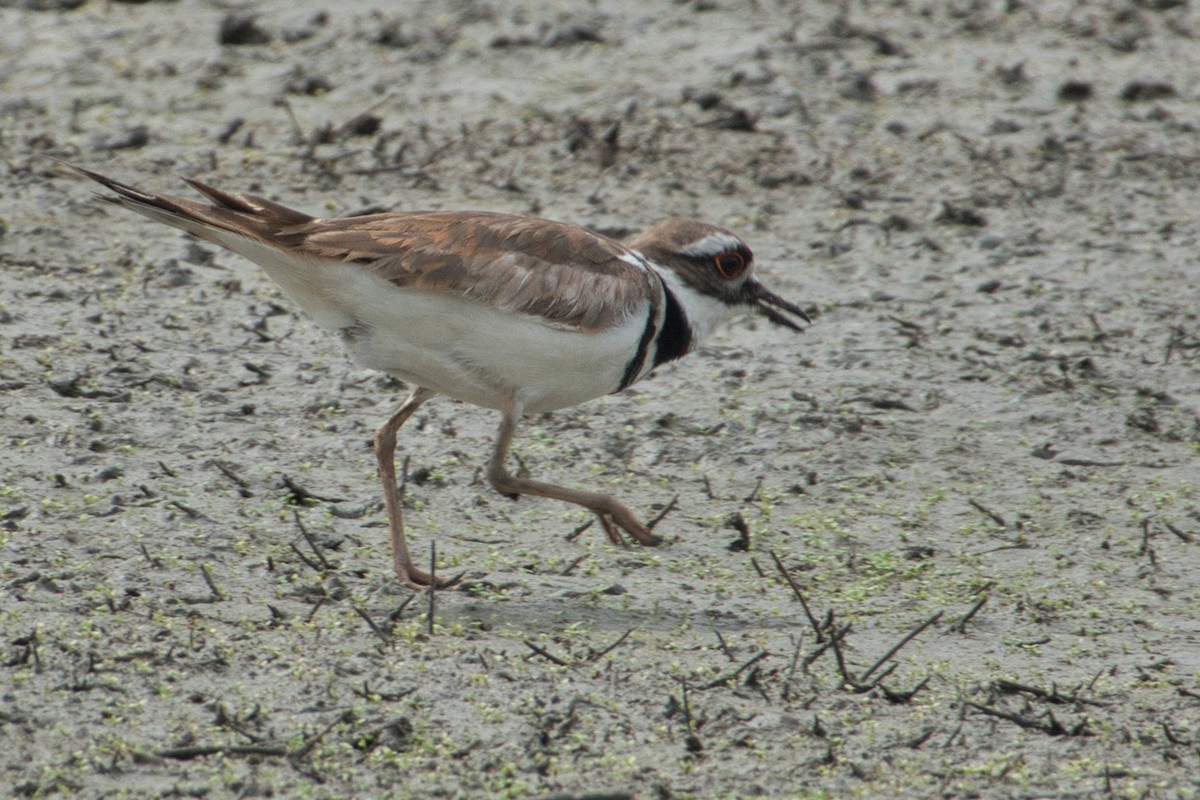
<point>945,543</point>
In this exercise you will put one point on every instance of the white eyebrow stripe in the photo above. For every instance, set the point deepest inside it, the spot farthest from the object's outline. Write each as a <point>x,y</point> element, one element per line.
<point>711,245</point>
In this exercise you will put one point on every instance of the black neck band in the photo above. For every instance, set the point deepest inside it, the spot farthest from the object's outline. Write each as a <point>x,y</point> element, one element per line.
<point>675,338</point>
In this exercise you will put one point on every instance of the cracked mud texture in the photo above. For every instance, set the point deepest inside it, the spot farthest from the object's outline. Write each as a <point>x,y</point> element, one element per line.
<point>993,208</point>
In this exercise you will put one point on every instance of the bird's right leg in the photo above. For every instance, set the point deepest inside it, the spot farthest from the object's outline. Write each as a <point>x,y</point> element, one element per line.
<point>385,453</point>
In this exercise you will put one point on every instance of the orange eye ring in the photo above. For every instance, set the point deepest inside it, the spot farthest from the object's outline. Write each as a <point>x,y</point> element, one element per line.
<point>730,264</point>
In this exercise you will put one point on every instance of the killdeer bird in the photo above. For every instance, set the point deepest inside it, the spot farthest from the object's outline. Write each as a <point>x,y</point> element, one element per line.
<point>518,314</point>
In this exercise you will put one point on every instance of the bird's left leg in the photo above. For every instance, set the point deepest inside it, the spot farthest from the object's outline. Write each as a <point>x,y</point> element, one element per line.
<point>613,515</point>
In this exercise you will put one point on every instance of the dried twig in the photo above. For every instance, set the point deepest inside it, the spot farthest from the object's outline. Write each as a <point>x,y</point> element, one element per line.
<point>724,645</point>
<point>1050,725</point>
<point>1146,549</point>
<point>237,480</point>
<point>827,644</point>
<point>1173,737</point>
<point>316,607</point>
<point>1183,535</point>
<point>903,698</point>
<point>199,751</point>
<point>691,741</point>
<point>311,542</point>
<point>787,683</point>
<point>191,512</point>
<point>312,741</point>
<point>394,617</point>
<point>153,561</point>
<point>915,742</point>
<point>961,625</point>
<point>799,596</point>
<point>981,508</point>
<point>573,535</point>
<point>659,517</point>
<point>383,635</point>
<point>212,586</point>
<point>308,562</point>
<point>611,647</point>
<point>546,654</point>
<point>375,696</point>
<point>849,680</point>
<point>299,496</point>
<point>912,635</point>
<point>728,678</point>
<point>571,567</point>
<point>1051,695</point>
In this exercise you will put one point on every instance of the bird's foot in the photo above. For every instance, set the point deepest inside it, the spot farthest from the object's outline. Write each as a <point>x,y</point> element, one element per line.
<point>419,580</point>
<point>617,519</point>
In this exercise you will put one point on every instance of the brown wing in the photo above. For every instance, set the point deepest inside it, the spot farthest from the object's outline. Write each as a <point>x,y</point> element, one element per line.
<point>567,274</point>
<point>563,272</point>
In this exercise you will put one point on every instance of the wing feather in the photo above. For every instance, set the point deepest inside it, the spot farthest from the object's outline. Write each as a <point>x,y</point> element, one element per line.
<point>568,275</point>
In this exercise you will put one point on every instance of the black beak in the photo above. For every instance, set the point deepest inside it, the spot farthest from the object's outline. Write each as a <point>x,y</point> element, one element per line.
<point>771,304</point>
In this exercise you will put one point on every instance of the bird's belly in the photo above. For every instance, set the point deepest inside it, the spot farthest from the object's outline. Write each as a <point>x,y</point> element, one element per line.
<point>452,345</point>
<point>475,353</point>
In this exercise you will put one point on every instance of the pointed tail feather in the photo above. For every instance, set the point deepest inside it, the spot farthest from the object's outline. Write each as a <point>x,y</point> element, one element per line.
<point>243,215</point>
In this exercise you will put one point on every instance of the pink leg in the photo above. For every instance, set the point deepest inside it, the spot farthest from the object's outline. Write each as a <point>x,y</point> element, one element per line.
<point>385,452</point>
<point>614,516</point>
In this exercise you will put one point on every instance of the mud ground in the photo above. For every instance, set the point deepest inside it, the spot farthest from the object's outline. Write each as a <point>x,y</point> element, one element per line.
<point>988,438</point>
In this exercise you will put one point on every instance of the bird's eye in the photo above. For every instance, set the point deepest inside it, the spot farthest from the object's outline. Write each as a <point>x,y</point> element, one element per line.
<point>730,264</point>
